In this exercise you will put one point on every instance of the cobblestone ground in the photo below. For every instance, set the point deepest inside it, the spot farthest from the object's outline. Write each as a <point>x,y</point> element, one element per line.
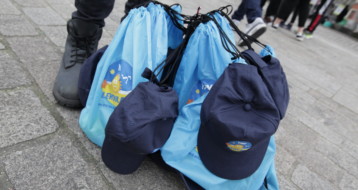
<point>42,146</point>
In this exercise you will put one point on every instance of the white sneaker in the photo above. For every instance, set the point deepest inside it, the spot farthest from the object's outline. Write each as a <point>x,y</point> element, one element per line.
<point>300,37</point>
<point>255,29</point>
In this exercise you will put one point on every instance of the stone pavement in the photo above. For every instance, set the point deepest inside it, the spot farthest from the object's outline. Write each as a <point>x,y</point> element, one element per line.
<point>42,146</point>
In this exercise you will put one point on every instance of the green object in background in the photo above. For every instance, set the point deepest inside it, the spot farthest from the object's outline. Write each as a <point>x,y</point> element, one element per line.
<point>327,24</point>
<point>343,22</point>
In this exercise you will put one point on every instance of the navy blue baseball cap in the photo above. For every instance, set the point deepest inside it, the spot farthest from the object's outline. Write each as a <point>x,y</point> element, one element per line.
<point>139,126</point>
<point>273,76</point>
<point>238,117</point>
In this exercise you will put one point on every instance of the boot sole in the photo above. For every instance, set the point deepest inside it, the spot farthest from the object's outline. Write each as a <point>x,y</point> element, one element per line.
<point>257,34</point>
<point>66,102</point>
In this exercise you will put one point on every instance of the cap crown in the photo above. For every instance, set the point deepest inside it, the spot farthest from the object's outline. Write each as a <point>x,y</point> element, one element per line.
<point>239,108</point>
<point>144,119</point>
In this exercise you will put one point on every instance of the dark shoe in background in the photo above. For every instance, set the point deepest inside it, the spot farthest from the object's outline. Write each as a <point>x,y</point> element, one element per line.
<point>82,41</point>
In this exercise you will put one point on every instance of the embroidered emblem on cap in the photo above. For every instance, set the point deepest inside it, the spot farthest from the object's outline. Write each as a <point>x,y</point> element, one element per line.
<point>238,146</point>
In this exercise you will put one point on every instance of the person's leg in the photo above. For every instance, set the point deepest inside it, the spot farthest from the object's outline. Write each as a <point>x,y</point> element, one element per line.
<point>272,8</point>
<point>293,19</point>
<point>240,11</point>
<point>294,16</point>
<point>256,26</point>
<point>321,10</point>
<point>253,10</point>
<point>303,10</point>
<point>286,7</point>
<point>94,11</point>
<point>84,32</point>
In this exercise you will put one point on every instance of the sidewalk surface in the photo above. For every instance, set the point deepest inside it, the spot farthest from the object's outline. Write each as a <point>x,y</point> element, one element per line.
<point>42,146</point>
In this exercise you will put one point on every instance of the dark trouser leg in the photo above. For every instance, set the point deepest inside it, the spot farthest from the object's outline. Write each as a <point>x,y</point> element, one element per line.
<point>321,10</point>
<point>272,8</point>
<point>253,10</point>
<point>303,9</point>
<point>240,11</point>
<point>286,8</point>
<point>94,11</point>
<point>294,16</point>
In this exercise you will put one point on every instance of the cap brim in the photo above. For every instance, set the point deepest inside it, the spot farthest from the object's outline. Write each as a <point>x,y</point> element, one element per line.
<point>228,164</point>
<point>118,158</point>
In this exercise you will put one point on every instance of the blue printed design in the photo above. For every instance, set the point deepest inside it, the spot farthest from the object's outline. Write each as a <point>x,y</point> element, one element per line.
<point>201,87</point>
<point>117,83</point>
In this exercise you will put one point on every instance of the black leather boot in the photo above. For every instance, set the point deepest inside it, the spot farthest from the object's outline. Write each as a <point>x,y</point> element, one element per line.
<point>82,41</point>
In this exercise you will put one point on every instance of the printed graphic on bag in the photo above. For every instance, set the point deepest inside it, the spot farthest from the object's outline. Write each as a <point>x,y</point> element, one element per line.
<point>117,83</point>
<point>201,87</point>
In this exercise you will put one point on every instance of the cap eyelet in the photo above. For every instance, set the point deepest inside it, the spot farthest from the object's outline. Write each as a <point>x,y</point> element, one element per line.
<point>247,107</point>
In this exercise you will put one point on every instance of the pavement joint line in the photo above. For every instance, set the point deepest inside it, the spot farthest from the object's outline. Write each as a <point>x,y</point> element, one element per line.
<point>308,127</point>
<point>313,131</point>
<point>288,178</point>
<point>5,182</point>
<point>51,107</point>
<point>44,139</point>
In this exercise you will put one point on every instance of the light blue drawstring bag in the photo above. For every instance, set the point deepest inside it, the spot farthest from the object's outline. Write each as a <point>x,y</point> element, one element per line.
<point>203,62</point>
<point>141,41</point>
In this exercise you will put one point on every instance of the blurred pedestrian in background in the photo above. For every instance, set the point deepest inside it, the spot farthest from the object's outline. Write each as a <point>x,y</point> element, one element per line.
<point>286,8</point>
<point>252,9</point>
<point>318,16</point>
<point>271,11</point>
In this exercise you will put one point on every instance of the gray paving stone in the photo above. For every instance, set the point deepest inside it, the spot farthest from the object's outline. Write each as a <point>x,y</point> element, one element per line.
<point>315,124</point>
<point>148,176</point>
<point>71,118</point>
<point>4,180</point>
<point>2,46</point>
<point>347,97</point>
<point>44,73</point>
<point>343,111</point>
<point>18,120</point>
<point>33,48</point>
<point>292,135</point>
<point>340,157</point>
<point>32,3</point>
<point>11,73</point>
<point>64,10</point>
<point>350,147</point>
<point>326,119</point>
<point>16,25</point>
<point>56,164</point>
<point>6,7</point>
<point>57,34</point>
<point>111,26</point>
<point>285,184</point>
<point>284,161</point>
<point>349,183</point>
<point>40,58</point>
<point>327,169</point>
<point>306,179</point>
<point>118,11</point>
<point>44,16</point>
<point>63,2</point>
